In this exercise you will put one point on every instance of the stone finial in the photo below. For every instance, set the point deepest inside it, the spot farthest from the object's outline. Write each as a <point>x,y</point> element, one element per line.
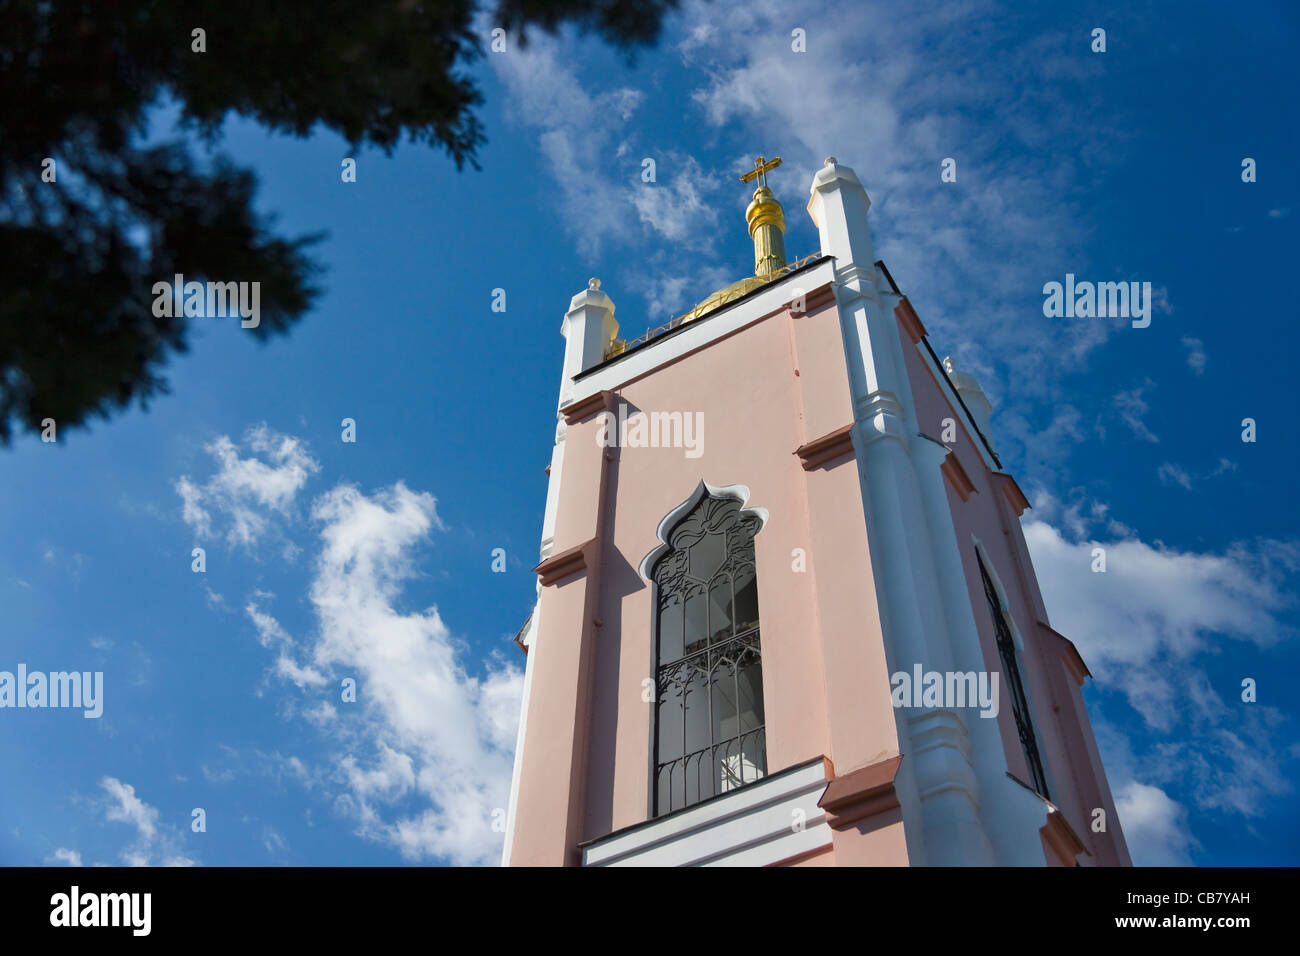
<point>838,206</point>
<point>590,328</point>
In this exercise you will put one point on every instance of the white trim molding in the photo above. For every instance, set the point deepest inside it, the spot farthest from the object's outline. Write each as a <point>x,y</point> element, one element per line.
<point>763,823</point>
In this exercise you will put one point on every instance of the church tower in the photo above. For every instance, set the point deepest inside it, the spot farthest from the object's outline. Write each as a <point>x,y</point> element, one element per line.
<point>786,614</point>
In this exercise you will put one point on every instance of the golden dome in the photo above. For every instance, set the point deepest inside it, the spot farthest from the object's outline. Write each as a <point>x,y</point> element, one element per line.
<point>726,294</point>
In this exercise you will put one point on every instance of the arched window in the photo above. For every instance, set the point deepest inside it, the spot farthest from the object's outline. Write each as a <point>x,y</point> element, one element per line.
<point>1015,686</point>
<point>708,736</point>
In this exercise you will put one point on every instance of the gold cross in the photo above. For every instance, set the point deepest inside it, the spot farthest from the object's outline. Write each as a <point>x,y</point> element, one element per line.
<point>761,166</point>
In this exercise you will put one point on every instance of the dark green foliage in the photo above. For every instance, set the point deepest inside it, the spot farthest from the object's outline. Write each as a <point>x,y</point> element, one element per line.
<point>78,258</point>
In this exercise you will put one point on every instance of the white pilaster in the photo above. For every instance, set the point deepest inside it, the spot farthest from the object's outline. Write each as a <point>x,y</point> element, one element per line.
<point>937,788</point>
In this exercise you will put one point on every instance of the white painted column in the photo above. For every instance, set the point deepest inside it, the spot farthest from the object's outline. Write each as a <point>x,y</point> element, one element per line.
<point>937,786</point>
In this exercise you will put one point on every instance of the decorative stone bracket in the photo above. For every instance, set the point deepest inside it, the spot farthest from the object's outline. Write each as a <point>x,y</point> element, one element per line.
<point>566,564</point>
<point>861,794</point>
<point>819,451</point>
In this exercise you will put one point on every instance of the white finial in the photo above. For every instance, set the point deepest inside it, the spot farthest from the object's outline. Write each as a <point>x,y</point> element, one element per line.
<point>593,283</point>
<point>831,161</point>
<point>948,365</point>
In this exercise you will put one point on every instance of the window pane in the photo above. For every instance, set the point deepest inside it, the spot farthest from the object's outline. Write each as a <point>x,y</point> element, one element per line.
<point>670,707</point>
<point>696,621</point>
<point>750,684</point>
<point>666,800</point>
<point>720,609</point>
<point>697,709</point>
<point>670,633</point>
<point>707,556</point>
<point>723,687</point>
<point>753,749</point>
<point>746,599</point>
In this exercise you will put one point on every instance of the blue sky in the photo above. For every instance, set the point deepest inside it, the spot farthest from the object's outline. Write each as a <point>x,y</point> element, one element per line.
<point>372,560</point>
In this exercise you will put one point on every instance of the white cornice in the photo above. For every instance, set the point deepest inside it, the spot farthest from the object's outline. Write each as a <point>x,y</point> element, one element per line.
<point>701,332</point>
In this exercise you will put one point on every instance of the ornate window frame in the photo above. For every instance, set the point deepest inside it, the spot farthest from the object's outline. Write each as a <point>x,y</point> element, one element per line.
<point>667,526</point>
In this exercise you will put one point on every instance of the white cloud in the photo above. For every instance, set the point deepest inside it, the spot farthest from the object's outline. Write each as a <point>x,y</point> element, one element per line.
<point>154,844</point>
<point>1160,300</point>
<point>245,491</point>
<point>674,206</point>
<point>1171,473</point>
<point>1132,406</point>
<point>215,601</point>
<point>1195,354</point>
<point>269,630</point>
<point>273,842</point>
<point>128,808</point>
<point>271,634</point>
<point>1155,826</point>
<point>427,749</point>
<point>289,669</point>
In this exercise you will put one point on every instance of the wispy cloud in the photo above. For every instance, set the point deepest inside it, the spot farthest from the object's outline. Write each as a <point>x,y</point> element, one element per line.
<point>1171,474</point>
<point>1195,354</point>
<point>65,856</point>
<point>154,843</point>
<point>1132,406</point>
<point>240,498</point>
<point>674,205</point>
